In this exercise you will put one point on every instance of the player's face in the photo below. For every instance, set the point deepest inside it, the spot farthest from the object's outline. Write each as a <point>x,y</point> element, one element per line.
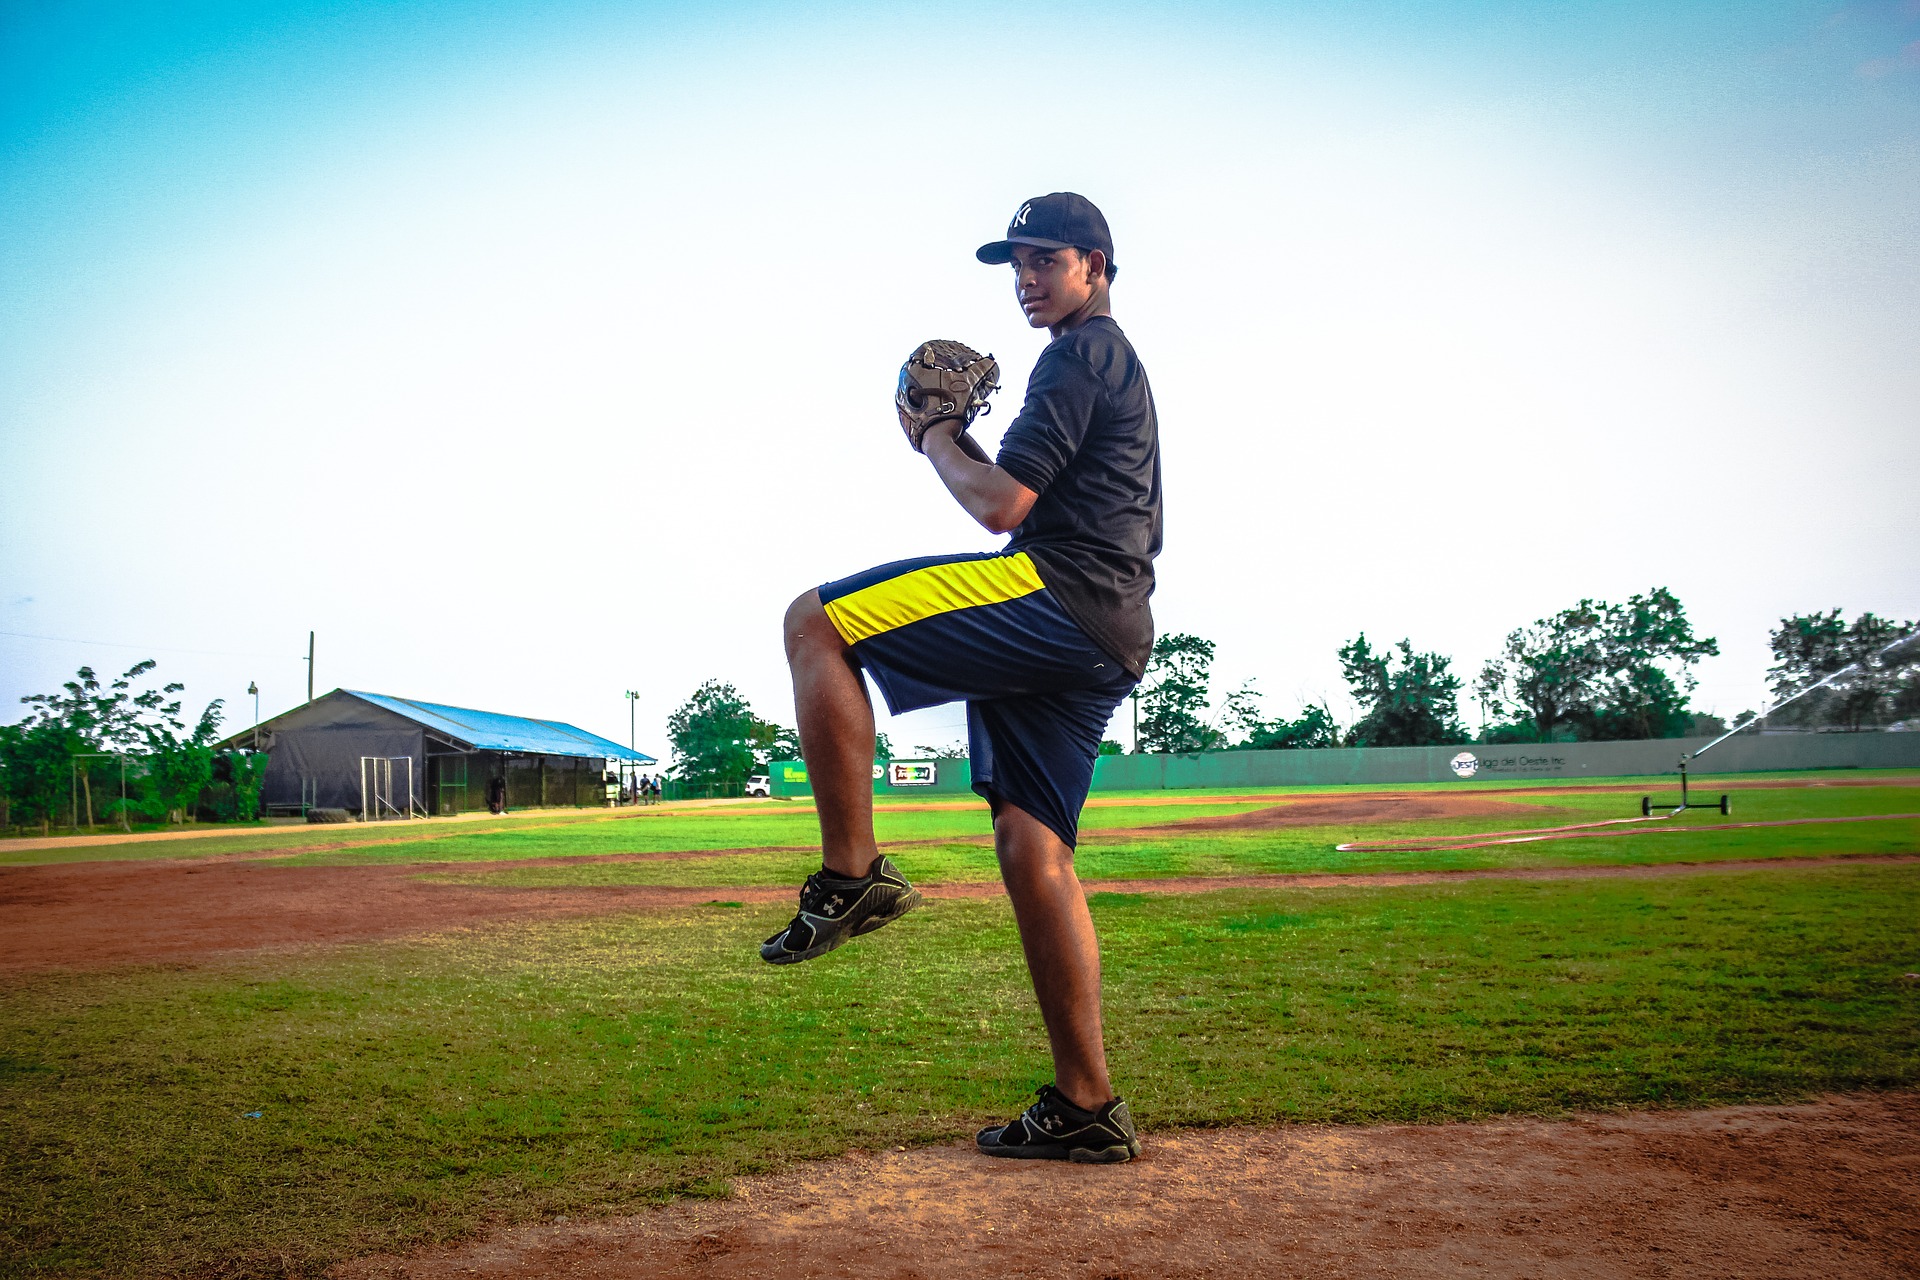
<point>1052,284</point>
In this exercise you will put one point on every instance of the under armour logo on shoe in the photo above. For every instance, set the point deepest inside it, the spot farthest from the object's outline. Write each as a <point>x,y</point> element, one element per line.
<point>833,904</point>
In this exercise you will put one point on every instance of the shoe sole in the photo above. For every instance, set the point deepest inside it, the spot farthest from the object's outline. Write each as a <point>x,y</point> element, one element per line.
<point>1117,1154</point>
<point>903,904</point>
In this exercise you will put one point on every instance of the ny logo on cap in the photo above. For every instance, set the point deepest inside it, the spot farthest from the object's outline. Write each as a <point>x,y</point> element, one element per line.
<point>1020,218</point>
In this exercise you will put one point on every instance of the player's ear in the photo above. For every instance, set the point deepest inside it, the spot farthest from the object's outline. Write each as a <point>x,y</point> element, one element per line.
<point>1096,267</point>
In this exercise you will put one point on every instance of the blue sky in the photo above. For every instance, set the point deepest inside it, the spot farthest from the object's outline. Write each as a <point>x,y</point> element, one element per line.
<point>531,353</point>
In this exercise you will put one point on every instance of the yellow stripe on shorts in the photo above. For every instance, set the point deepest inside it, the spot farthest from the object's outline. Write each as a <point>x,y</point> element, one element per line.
<point>936,589</point>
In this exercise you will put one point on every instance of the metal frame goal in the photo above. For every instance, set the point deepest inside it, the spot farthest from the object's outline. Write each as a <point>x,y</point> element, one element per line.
<point>378,796</point>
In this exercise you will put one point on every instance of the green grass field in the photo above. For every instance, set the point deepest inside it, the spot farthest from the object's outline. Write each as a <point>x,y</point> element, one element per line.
<point>1285,849</point>
<point>416,1091</point>
<point>762,823</point>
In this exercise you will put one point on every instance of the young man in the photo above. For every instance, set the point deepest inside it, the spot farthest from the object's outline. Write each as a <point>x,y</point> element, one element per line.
<point>1041,641</point>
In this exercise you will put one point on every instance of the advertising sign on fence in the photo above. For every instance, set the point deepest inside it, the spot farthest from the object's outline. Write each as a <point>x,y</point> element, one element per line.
<point>912,773</point>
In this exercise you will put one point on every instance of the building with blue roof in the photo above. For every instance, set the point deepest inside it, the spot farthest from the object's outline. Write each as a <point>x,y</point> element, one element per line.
<point>381,756</point>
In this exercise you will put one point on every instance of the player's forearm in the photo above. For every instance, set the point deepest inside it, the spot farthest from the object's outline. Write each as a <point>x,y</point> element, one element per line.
<point>971,447</point>
<point>983,490</point>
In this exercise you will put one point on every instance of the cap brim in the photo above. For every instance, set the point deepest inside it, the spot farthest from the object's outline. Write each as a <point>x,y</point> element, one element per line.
<point>1000,252</point>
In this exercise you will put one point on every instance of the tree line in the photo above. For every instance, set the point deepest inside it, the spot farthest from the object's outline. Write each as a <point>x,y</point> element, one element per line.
<point>63,764</point>
<point>1593,672</point>
<point>1876,688</point>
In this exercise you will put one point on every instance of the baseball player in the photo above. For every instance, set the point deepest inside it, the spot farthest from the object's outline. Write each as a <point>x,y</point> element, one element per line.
<point>1041,640</point>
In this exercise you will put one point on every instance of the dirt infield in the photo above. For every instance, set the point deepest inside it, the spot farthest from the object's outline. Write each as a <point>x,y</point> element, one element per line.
<point>1323,811</point>
<point>93,915</point>
<point>1829,1189</point>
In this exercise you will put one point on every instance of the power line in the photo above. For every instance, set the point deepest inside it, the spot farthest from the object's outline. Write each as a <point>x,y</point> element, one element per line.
<point>155,648</point>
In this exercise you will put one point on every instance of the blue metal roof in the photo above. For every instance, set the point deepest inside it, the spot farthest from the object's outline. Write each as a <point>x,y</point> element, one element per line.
<point>491,731</point>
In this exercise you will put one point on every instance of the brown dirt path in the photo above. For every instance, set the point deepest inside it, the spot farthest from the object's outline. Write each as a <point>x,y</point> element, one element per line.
<point>93,915</point>
<point>1827,1189</point>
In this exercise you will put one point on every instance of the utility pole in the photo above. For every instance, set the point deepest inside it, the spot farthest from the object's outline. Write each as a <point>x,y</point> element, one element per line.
<point>633,734</point>
<point>253,687</point>
<point>309,666</point>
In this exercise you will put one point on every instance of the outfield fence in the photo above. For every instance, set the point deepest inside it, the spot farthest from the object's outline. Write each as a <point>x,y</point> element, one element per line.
<point>1479,762</point>
<point>672,789</point>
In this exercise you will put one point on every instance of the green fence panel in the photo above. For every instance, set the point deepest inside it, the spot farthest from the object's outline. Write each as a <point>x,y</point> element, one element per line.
<point>1374,766</point>
<point>892,779</point>
<point>1517,761</point>
<point>788,778</point>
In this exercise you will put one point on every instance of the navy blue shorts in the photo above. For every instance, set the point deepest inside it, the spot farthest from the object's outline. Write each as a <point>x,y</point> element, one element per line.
<point>984,630</point>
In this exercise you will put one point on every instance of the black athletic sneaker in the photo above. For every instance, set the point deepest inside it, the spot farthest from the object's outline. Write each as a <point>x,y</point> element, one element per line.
<point>833,910</point>
<point>1055,1129</point>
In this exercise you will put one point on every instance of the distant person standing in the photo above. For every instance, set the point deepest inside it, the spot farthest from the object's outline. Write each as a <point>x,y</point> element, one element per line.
<point>497,794</point>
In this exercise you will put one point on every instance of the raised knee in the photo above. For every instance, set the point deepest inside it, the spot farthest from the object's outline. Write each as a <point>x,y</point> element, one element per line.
<point>807,621</point>
<point>802,612</point>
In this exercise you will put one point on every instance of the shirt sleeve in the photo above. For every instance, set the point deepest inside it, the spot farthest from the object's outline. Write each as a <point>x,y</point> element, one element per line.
<point>1062,397</point>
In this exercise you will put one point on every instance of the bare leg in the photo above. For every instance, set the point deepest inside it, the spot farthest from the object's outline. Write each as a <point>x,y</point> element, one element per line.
<point>836,735</point>
<point>1063,953</point>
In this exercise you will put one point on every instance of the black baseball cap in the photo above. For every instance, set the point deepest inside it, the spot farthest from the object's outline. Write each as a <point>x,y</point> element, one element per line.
<point>1062,220</point>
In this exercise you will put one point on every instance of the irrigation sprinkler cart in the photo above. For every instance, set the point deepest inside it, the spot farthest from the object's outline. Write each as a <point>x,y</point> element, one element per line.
<point>1646,802</point>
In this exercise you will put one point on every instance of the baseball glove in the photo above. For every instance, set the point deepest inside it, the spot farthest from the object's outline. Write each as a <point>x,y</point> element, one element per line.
<point>943,379</point>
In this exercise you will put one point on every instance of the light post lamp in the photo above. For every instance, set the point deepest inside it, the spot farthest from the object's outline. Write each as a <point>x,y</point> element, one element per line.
<point>633,736</point>
<point>253,687</point>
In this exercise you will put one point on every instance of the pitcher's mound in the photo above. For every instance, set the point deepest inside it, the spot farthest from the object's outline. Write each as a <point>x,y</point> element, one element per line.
<point>1828,1189</point>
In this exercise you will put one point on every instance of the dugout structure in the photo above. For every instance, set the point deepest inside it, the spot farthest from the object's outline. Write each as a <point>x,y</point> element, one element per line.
<point>317,753</point>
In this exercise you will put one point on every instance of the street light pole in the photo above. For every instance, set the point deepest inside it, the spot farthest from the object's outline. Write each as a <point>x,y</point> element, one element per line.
<point>633,741</point>
<point>253,687</point>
